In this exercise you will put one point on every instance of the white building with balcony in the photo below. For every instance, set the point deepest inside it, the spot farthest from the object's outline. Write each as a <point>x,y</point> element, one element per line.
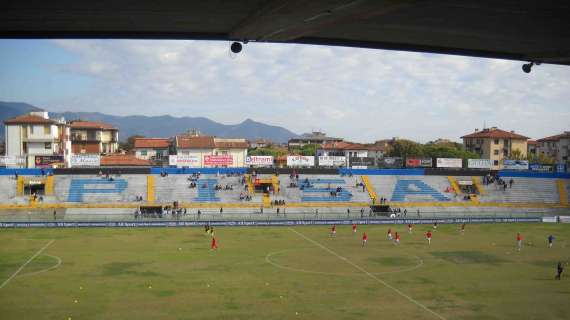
<point>38,140</point>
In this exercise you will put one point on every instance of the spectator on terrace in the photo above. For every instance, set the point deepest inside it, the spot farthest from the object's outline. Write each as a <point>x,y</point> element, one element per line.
<point>511,183</point>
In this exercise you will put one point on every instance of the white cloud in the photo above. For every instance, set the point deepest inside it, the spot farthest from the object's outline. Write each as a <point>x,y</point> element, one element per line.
<point>360,94</point>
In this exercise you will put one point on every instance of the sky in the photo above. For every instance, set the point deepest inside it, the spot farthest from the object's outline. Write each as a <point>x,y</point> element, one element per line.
<point>361,95</point>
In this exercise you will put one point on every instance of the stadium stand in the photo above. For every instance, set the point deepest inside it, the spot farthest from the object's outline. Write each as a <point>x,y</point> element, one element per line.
<point>94,189</point>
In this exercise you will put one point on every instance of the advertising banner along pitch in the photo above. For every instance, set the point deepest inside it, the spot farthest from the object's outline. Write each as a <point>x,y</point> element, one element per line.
<point>332,161</point>
<point>85,160</point>
<point>449,163</point>
<point>479,163</point>
<point>184,161</point>
<point>300,161</point>
<point>12,161</point>
<point>391,162</point>
<point>515,164</point>
<point>263,161</point>
<point>223,160</point>
<point>48,161</point>
<point>419,163</point>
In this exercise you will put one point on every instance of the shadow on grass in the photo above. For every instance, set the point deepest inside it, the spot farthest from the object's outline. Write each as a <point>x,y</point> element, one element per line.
<point>126,268</point>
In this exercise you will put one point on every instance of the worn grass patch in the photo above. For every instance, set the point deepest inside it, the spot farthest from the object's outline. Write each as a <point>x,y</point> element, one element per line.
<point>468,257</point>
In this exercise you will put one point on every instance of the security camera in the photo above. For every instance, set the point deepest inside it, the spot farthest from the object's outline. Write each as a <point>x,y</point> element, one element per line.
<point>527,67</point>
<point>236,47</point>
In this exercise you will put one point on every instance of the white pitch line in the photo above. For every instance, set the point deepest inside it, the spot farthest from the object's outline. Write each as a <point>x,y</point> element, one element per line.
<point>370,275</point>
<point>26,263</point>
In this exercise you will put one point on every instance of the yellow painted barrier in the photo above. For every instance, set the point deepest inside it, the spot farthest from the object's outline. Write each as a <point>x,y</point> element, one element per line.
<point>266,200</point>
<point>477,185</point>
<point>20,186</point>
<point>49,186</point>
<point>454,185</point>
<point>275,183</point>
<point>370,188</point>
<point>150,189</point>
<point>562,192</point>
<point>249,184</point>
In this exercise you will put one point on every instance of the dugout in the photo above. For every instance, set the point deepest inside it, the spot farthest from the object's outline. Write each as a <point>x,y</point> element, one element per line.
<point>380,210</point>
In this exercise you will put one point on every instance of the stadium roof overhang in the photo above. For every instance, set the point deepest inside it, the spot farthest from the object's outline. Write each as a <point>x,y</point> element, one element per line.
<point>509,29</point>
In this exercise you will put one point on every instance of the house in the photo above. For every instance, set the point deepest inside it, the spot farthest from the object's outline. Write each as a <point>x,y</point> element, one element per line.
<point>36,141</point>
<point>93,137</point>
<point>211,152</point>
<point>556,147</point>
<point>496,144</point>
<point>123,160</point>
<point>315,137</point>
<point>152,148</point>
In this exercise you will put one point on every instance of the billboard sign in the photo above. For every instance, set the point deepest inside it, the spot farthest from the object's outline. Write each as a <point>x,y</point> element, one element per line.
<point>419,163</point>
<point>449,163</point>
<point>262,161</point>
<point>85,160</point>
<point>391,162</point>
<point>300,161</point>
<point>332,161</point>
<point>515,164</point>
<point>222,160</point>
<point>540,167</point>
<point>48,161</point>
<point>12,161</point>
<point>181,160</point>
<point>361,162</point>
<point>479,163</point>
<point>560,167</point>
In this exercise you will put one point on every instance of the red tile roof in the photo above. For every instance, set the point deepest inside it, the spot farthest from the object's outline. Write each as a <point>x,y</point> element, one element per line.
<point>343,145</point>
<point>230,144</point>
<point>495,134</point>
<point>29,119</point>
<point>91,125</point>
<point>127,160</point>
<point>556,137</point>
<point>200,142</point>
<point>532,142</point>
<point>152,143</point>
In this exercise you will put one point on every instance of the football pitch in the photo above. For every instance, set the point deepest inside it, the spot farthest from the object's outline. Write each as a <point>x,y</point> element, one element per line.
<point>284,273</point>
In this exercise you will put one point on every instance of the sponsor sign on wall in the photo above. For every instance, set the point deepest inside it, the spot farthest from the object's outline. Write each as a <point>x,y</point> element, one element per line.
<point>183,160</point>
<point>48,161</point>
<point>560,167</point>
<point>222,160</point>
<point>515,164</point>
<point>332,161</point>
<point>361,162</point>
<point>85,160</point>
<point>265,161</point>
<point>300,161</point>
<point>479,163</point>
<point>419,163</point>
<point>449,163</point>
<point>540,167</point>
<point>12,161</point>
<point>391,162</point>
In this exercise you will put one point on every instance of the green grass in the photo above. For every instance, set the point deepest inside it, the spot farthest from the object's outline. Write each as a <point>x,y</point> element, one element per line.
<point>273,273</point>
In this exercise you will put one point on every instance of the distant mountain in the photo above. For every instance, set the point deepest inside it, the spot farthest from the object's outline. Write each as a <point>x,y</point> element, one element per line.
<point>162,126</point>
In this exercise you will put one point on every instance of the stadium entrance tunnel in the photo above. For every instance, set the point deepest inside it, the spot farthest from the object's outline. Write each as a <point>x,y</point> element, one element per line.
<point>35,186</point>
<point>149,212</point>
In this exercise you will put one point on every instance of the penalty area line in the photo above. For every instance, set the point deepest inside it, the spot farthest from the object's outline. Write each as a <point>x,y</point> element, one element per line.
<point>384,283</point>
<point>26,263</point>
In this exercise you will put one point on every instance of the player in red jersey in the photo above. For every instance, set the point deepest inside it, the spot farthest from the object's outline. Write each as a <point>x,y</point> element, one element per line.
<point>519,241</point>
<point>333,230</point>
<point>397,239</point>
<point>410,227</point>
<point>390,234</point>
<point>428,237</point>
<point>214,244</point>
<point>364,239</point>
<point>354,228</point>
